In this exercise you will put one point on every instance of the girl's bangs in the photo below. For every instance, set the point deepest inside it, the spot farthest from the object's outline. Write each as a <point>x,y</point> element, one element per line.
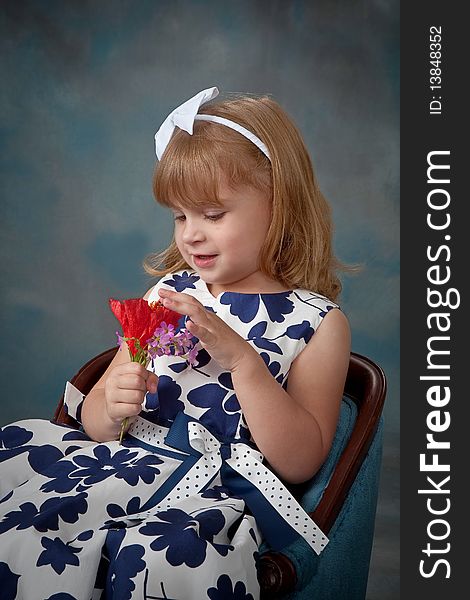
<point>193,166</point>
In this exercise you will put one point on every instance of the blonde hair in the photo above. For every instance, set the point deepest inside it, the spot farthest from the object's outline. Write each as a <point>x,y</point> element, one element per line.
<point>298,248</point>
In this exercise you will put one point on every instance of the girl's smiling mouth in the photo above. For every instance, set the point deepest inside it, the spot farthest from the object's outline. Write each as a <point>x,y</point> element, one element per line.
<point>204,260</point>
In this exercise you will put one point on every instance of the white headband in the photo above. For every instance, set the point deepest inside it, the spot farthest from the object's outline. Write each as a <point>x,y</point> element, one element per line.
<point>184,116</point>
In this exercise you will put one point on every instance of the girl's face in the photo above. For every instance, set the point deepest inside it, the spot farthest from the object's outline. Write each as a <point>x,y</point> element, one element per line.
<point>223,243</point>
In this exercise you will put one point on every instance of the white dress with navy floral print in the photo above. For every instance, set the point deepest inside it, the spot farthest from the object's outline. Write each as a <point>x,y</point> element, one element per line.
<point>179,510</point>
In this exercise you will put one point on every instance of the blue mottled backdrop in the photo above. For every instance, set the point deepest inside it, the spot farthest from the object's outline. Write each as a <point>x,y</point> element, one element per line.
<point>84,87</point>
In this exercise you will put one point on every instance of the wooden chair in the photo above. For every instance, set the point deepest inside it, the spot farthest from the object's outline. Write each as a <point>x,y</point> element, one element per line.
<point>279,573</point>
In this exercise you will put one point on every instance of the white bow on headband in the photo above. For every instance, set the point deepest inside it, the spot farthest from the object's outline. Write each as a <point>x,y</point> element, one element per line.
<point>184,116</point>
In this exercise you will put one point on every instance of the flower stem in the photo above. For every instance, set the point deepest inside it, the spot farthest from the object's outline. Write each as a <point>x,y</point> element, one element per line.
<point>142,358</point>
<point>123,430</point>
<point>164,342</point>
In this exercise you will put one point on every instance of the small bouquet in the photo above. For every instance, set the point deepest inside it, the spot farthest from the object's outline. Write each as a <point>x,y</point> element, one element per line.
<point>149,330</point>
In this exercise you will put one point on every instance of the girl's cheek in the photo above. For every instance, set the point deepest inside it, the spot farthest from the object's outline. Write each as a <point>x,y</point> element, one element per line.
<point>178,241</point>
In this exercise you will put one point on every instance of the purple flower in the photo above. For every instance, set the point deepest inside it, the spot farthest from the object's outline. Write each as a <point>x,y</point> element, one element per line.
<point>120,338</point>
<point>165,342</point>
<point>192,354</point>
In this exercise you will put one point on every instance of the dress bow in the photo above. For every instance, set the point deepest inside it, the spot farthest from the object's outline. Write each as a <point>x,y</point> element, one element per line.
<point>280,517</point>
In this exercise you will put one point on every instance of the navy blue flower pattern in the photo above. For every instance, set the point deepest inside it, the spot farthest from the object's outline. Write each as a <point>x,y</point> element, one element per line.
<point>67,508</point>
<point>186,537</point>
<point>125,563</point>
<point>169,393</point>
<point>329,307</point>
<point>13,436</point>
<point>59,478</point>
<point>203,358</point>
<point>83,471</point>
<point>300,331</point>
<point>43,457</point>
<point>104,465</point>
<point>182,282</point>
<point>274,368</point>
<point>58,555</point>
<point>144,468</point>
<point>278,305</point>
<point>9,582</point>
<point>71,493</point>
<point>116,511</point>
<point>246,306</point>
<point>126,566</point>
<point>223,409</point>
<point>226,591</point>
<point>219,493</point>
<point>75,435</point>
<point>14,441</point>
<point>256,334</point>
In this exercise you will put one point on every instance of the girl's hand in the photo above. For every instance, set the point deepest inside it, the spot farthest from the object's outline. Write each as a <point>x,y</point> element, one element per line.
<point>125,389</point>
<point>224,344</point>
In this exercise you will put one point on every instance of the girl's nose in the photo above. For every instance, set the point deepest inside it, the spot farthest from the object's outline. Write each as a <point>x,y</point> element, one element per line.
<point>193,231</point>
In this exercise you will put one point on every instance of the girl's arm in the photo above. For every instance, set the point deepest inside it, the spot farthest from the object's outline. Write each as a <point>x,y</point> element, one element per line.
<point>119,393</point>
<point>294,428</point>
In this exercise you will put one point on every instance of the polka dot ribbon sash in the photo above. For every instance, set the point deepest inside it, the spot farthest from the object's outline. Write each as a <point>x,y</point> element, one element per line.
<point>279,516</point>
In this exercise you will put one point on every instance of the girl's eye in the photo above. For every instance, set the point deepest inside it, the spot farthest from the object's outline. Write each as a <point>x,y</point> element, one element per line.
<point>179,217</point>
<point>215,217</point>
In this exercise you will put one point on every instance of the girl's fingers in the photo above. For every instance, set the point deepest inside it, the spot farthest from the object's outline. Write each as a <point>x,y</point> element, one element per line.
<point>205,325</point>
<point>134,397</point>
<point>131,382</point>
<point>123,410</point>
<point>152,383</point>
<point>178,297</point>
<point>131,368</point>
<point>185,305</point>
<point>170,294</point>
<point>202,333</point>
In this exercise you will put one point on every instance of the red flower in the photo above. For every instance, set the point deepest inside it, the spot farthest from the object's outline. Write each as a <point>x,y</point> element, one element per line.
<point>139,319</point>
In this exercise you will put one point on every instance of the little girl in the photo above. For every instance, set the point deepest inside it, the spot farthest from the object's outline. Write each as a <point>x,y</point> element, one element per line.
<point>180,508</point>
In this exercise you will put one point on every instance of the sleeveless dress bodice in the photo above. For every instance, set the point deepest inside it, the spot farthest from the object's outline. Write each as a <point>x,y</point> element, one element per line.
<point>278,325</point>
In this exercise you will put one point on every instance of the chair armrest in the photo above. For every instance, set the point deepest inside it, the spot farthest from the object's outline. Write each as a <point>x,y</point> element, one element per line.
<point>84,380</point>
